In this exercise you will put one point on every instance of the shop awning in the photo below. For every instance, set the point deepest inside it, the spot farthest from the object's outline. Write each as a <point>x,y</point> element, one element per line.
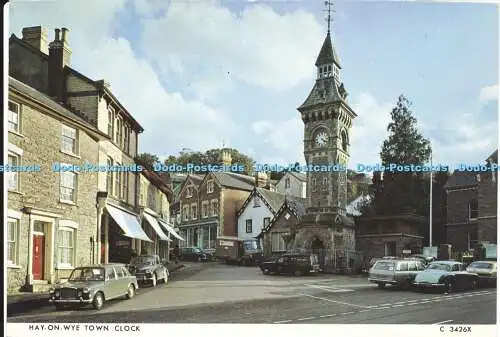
<point>156,226</point>
<point>128,223</point>
<point>171,230</point>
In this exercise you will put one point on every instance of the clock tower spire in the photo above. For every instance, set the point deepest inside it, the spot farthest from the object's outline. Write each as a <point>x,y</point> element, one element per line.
<point>327,119</point>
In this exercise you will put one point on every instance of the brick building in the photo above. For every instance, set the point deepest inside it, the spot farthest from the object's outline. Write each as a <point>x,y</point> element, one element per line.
<point>472,208</point>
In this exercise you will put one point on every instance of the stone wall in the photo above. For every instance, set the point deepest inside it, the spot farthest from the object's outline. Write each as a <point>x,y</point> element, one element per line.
<point>41,144</point>
<point>487,202</point>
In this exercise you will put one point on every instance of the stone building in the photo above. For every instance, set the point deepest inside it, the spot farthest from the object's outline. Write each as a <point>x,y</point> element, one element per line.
<point>292,184</point>
<point>47,70</point>
<point>327,119</point>
<point>51,216</point>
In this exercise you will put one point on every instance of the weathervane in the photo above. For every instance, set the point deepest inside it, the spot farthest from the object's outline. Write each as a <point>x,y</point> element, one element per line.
<point>329,10</point>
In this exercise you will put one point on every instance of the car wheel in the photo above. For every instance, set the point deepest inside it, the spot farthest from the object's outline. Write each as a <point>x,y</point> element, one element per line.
<point>130,291</point>
<point>153,281</point>
<point>98,301</point>
<point>298,273</point>
<point>265,271</point>
<point>165,280</point>
<point>198,259</point>
<point>381,285</point>
<point>448,286</point>
<point>474,284</point>
<point>59,306</point>
<point>406,285</point>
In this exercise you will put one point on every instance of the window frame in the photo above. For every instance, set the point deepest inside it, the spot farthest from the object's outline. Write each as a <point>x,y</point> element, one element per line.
<point>60,264</point>
<point>75,186</point>
<point>75,151</point>
<point>117,183</point>
<point>14,174</point>
<point>210,186</point>
<point>17,225</point>
<point>194,211</point>
<point>256,201</point>
<point>248,226</point>
<point>189,191</point>
<point>18,113</point>
<point>215,207</point>
<point>473,210</point>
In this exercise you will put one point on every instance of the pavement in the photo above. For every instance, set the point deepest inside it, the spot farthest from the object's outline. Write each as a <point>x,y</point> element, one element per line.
<point>229,294</point>
<point>27,302</point>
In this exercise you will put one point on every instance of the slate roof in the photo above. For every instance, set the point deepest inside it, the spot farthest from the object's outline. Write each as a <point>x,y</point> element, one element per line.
<point>299,176</point>
<point>235,180</point>
<point>197,179</point>
<point>296,205</point>
<point>327,53</point>
<point>493,156</point>
<point>157,181</point>
<point>461,179</point>
<point>50,103</point>
<point>274,199</point>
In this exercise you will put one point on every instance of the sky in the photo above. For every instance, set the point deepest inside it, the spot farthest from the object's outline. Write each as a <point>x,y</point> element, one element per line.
<point>200,74</point>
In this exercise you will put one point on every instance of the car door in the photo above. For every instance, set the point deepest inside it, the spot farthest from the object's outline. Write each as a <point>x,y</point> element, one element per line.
<point>459,277</point>
<point>121,281</point>
<point>412,270</point>
<point>110,283</point>
<point>160,268</point>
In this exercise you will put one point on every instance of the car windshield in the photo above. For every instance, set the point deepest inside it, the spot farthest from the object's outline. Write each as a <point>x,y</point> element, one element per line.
<point>384,265</point>
<point>440,266</point>
<point>144,260</point>
<point>87,274</point>
<point>481,265</point>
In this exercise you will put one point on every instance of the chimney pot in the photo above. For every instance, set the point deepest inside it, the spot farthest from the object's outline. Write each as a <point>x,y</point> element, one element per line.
<point>64,34</point>
<point>57,34</point>
<point>37,37</point>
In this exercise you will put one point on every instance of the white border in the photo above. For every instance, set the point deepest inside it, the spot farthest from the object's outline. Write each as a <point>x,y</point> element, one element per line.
<point>6,26</point>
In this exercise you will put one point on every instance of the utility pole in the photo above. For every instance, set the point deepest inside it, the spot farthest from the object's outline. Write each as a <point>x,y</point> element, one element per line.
<point>430,208</point>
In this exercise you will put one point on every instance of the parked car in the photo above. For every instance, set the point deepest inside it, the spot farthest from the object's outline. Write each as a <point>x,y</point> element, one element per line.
<point>400,273</point>
<point>94,285</point>
<point>194,254</point>
<point>149,269</point>
<point>296,264</point>
<point>486,270</point>
<point>446,275</point>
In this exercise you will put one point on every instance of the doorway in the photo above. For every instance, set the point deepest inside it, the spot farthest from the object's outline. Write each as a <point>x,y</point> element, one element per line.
<point>38,265</point>
<point>318,248</point>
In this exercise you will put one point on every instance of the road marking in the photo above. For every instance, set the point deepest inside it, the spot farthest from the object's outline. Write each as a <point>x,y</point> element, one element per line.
<point>398,305</point>
<point>329,289</point>
<point>347,313</point>
<point>384,304</point>
<point>364,310</point>
<point>425,302</point>
<point>443,322</point>
<point>287,321</point>
<point>414,303</point>
<point>338,302</point>
<point>330,315</point>
<point>305,318</point>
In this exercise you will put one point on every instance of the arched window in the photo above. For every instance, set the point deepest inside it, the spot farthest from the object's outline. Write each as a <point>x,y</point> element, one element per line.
<point>473,209</point>
<point>344,141</point>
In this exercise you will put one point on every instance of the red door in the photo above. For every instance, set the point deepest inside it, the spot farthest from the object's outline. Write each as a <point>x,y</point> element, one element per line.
<point>38,256</point>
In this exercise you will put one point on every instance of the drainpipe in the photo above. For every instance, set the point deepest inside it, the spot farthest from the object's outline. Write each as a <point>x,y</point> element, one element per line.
<point>100,205</point>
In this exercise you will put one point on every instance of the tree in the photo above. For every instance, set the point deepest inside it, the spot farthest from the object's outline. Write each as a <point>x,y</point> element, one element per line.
<point>404,146</point>
<point>147,160</point>
<point>212,157</point>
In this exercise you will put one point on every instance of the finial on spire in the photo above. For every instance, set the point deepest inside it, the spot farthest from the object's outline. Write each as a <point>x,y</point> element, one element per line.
<point>329,10</point>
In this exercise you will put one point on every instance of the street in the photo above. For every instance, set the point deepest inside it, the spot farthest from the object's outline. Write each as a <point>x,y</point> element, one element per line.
<point>230,294</point>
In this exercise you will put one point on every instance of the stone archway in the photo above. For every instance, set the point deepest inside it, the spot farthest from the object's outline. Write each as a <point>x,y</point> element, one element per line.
<point>318,248</point>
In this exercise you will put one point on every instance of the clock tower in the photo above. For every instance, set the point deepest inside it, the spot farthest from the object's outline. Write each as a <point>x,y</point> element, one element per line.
<point>327,119</point>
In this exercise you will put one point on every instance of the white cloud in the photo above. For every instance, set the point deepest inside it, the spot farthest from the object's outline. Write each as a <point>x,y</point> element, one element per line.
<point>259,47</point>
<point>369,129</point>
<point>490,93</point>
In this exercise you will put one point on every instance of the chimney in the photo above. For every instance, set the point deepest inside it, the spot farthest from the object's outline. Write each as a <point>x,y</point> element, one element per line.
<point>226,157</point>
<point>59,58</point>
<point>37,37</point>
<point>261,179</point>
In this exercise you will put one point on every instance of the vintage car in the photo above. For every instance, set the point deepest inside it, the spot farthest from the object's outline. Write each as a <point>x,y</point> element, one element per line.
<point>447,275</point>
<point>94,285</point>
<point>295,264</point>
<point>149,269</point>
<point>486,270</point>
<point>194,254</point>
<point>398,273</point>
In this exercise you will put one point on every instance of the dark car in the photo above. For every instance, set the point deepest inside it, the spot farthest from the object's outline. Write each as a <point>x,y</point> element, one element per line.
<point>296,264</point>
<point>149,269</point>
<point>194,254</point>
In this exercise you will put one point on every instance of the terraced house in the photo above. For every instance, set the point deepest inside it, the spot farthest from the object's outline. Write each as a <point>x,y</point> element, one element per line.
<point>209,205</point>
<point>154,200</point>
<point>115,228</point>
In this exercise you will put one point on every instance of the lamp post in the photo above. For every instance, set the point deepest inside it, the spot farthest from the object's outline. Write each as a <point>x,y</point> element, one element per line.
<point>430,207</point>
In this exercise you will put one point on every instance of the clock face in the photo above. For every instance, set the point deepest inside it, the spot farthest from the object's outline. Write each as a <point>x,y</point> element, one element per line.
<point>321,139</point>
